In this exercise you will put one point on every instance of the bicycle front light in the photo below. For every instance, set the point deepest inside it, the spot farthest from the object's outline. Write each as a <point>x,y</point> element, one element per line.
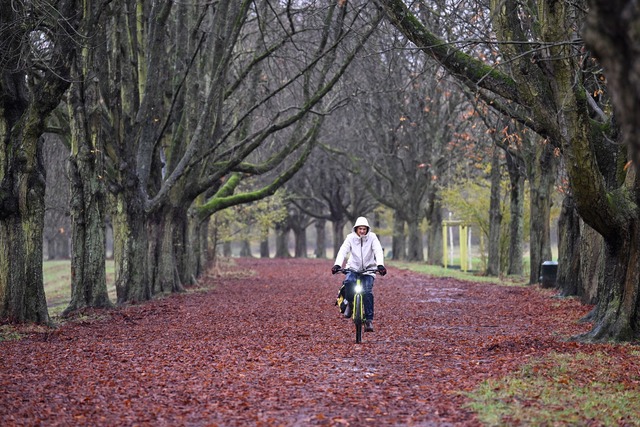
<point>358,288</point>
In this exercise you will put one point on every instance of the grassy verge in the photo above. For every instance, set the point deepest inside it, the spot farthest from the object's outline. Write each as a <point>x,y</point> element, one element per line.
<point>57,284</point>
<point>437,271</point>
<point>57,289</point>
<point>558,390</point>
<point>563,389</point>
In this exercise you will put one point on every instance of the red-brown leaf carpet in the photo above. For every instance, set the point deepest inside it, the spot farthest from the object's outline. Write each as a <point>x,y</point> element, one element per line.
<point>263,345</point>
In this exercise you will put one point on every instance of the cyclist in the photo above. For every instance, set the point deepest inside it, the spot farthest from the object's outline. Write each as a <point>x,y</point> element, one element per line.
<point>365,252</point>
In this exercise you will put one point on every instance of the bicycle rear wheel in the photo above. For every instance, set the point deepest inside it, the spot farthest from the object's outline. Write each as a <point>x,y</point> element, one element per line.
<point>358,316</point>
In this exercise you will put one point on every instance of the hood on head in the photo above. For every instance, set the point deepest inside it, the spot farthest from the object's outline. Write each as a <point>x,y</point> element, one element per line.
<point>361,221</point>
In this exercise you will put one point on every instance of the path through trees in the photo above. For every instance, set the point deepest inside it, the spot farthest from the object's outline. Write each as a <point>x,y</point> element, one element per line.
<point>262,344</point>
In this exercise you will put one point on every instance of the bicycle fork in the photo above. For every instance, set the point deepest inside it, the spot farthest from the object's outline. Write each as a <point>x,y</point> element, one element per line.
<point>357,313</point>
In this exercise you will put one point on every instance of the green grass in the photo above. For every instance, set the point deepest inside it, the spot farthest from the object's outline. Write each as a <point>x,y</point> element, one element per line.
<point>562,389</point>
<point>558,390</point>
<point>437,271</point>
<point>57,284</point>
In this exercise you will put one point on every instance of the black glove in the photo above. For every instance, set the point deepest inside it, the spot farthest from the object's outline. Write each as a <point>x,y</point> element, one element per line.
<point>382,270</point>
<point>335,269</point>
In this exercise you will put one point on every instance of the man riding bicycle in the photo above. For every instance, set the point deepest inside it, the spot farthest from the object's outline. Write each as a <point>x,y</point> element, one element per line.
<point>365,252</point>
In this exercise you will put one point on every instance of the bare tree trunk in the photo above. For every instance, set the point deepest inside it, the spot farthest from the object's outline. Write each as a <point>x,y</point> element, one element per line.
<point>399,239</point>
<point>226,249</point>
<point>338,236</point>
<point>197,250</point>
<point>88,194</point>
<point>415,250</point>
<point>22,297</point>
<point>495,217</point>
<point>130,248</point>
<point>592,263</point>
<point>616,306</point>
<point>51,248</point>
<point>154,251</point>
<point>321,239</point>
<point>516,226</point>
<point>58,247</point>
<point>57,223</point>
<point>434,233</point>
<point>541,187</point>
<point>264,248</point>
<point>207,248</point>
<point>300,235</point>
<point>580,256</point>
<point>63,249</point>
<point>88,273</point>
<point>282,241</point>
<point>167,251</point>
<point>245,249</point>
<point>568,279</point>
<point>181,248</point>
<point>31,89</point>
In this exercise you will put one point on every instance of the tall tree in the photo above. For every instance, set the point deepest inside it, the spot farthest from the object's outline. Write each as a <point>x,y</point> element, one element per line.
<point>618,209</point>
<point>495,216</point>
<point>36,52</point>
<point>193,95</point>
<point>86,164</point>
<point>299,222</point>
<point>542,173</point>
<point>547,90</point>
<point>516,204</point>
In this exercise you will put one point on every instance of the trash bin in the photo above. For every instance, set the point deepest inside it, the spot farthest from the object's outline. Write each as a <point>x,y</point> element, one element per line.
<point>548,274</point>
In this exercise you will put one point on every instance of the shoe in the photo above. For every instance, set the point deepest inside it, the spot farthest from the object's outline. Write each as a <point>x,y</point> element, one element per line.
<point>368,326</point>
<point>347,311</point>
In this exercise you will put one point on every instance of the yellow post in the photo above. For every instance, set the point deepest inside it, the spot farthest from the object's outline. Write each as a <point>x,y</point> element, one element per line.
<point>444,244</point>
<point>463,248</point>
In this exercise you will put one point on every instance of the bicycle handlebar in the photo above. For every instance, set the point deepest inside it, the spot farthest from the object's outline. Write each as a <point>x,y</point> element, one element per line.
<point>349,270</point>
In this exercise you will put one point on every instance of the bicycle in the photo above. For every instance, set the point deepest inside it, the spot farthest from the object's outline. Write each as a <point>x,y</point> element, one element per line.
<point>357,308</point>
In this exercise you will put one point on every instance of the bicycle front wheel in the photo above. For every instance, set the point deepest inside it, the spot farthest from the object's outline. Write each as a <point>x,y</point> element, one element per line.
<point>358,316</point>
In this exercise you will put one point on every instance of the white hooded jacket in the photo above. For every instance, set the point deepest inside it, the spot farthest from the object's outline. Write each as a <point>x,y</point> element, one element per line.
<point>364,252</point>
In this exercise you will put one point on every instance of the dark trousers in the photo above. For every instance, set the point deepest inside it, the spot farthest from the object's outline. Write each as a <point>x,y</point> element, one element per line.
<point>367,292</point>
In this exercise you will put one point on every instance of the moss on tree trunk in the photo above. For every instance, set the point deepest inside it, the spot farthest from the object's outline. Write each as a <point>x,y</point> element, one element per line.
<point>616,314</point>
<point>168,261</point>
<point>130,249</point>
<point>22,190</point>
<point>30,88</point>
<point>87,204</point>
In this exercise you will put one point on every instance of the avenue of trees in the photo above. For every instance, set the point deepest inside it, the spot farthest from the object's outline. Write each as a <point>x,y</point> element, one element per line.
<point>174,121</point>
<point>168,110</point>
<point>548,80</point>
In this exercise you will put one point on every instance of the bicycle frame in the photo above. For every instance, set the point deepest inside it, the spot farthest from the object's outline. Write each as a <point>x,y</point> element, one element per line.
<point>357,312</point>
